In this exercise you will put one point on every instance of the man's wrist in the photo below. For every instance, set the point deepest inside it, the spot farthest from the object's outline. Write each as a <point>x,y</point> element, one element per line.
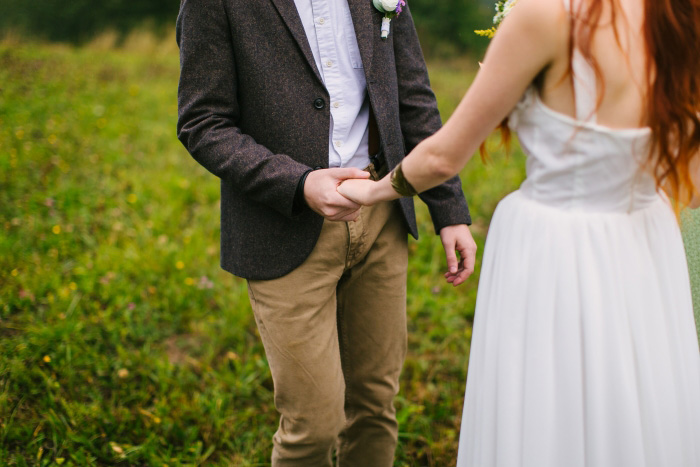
<point>452,225</point>
<point>299,198</point>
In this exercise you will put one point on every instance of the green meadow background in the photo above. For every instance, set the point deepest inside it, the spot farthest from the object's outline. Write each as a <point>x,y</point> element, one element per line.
<point>691,233</point>
<point>121,340</point>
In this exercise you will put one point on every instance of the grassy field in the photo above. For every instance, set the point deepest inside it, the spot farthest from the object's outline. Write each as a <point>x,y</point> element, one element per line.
<point>121,340</point>
<point>691,232</point>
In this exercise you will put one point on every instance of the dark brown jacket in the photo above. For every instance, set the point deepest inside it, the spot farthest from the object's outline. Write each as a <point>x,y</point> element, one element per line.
<point>253,110</point>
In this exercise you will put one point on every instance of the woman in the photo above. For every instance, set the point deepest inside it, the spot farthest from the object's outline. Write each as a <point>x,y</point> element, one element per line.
<point>584,351</point>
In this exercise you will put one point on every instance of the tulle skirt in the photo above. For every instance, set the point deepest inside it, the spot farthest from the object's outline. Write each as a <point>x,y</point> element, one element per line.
<point>584,350</point>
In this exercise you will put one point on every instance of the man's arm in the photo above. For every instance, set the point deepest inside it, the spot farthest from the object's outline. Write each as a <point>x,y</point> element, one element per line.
<point>420,118</point>
<point>208,111</point>
<point>208,116</point>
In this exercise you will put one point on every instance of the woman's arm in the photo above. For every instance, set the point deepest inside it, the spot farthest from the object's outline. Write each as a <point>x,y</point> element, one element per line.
<point>527,42</point>
<point>695,176</point>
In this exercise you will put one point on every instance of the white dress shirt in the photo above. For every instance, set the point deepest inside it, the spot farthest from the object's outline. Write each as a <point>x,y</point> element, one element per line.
<point>329,29</point>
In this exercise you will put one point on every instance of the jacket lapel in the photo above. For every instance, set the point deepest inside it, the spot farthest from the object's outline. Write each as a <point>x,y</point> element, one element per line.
<point>288,11</point>
<point>361,12</point>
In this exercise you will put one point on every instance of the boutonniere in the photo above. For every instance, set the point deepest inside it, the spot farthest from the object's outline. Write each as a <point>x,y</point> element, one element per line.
<point>391,9</point>
<point>503,7</point>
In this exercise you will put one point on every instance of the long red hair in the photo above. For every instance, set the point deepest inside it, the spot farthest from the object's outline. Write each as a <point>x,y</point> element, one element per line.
<point>672,36</point>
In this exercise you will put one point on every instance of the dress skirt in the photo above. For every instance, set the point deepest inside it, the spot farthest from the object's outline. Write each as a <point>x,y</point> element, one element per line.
<point>584,349</point>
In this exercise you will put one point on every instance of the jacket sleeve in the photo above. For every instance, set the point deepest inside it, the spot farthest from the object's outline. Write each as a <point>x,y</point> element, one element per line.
<point>419,117</point>
<point>208,111</point>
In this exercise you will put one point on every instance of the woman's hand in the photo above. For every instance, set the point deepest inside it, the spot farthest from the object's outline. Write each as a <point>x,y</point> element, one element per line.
<point>359,191</point>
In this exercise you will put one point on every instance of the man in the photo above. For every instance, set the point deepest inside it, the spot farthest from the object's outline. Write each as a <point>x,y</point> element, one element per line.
<point>283,100</point>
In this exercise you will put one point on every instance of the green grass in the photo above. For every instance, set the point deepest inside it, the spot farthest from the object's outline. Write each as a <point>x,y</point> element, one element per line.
<point>121,340</point>
<point>691,231</point>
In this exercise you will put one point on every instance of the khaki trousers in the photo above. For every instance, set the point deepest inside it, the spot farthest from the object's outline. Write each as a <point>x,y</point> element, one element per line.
<point>334,331</point>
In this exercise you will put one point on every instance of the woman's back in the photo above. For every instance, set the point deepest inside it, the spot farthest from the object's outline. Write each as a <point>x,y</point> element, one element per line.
<point>575,160</point>
<point>620,55</point>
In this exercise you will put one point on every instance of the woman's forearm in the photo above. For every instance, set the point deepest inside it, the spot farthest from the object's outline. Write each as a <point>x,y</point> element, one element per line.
<point>526,44</point>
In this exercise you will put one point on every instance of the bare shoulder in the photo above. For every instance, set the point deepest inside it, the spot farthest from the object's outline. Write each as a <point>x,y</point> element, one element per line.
<point>534,31</point>
<point>547,19</point>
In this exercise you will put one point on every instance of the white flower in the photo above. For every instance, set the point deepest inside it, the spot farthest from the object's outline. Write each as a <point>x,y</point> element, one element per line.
<point>386,6</point>
<point>502,10</point>
<point>390,5</point>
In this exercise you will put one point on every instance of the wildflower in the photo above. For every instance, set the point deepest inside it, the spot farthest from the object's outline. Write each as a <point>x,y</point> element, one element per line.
<point>26,294</point>
<point>132,198</point>
<point>47,359</point>
<point>189,281</point>
<point>180,265</point>
<point>205,283</point>
<point>116,448</point>
<point>56,229</point>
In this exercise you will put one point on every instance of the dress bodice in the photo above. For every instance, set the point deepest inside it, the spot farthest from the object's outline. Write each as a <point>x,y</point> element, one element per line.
<point>577,164</point>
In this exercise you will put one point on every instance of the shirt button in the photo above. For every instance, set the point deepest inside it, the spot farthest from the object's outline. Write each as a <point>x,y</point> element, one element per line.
<point>322,21</point>
<point>336,104</point>
<point>319,103</point>
<point>329,63</point>
<point>338,144</point>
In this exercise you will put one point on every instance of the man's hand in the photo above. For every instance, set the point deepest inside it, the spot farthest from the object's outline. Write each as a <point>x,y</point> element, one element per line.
<point>458,238</point>
<point>321,193</point>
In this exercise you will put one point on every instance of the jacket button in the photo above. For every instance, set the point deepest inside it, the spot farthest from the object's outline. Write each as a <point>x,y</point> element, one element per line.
<point>319,103</point>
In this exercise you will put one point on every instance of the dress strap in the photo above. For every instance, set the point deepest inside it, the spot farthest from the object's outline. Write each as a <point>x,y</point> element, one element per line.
<point>585,82</point>
<point>585,90</point>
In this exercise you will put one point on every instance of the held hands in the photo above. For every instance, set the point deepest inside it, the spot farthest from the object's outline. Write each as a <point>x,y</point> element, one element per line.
<point>359,191</point>
<point>322,196</point>
<point>455,238</point>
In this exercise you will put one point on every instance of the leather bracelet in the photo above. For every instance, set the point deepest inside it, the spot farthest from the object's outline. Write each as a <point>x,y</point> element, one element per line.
<point>400,184</point>
<point>299,201</point>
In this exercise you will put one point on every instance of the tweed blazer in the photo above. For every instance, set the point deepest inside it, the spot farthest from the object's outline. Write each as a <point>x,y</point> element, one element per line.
<point>253,110</point>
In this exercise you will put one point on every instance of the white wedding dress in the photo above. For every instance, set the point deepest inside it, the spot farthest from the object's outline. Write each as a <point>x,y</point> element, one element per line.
<point>584,350</point>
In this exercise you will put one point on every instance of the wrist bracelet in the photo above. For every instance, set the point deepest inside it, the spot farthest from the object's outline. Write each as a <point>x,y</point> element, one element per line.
<point>400,184</point>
